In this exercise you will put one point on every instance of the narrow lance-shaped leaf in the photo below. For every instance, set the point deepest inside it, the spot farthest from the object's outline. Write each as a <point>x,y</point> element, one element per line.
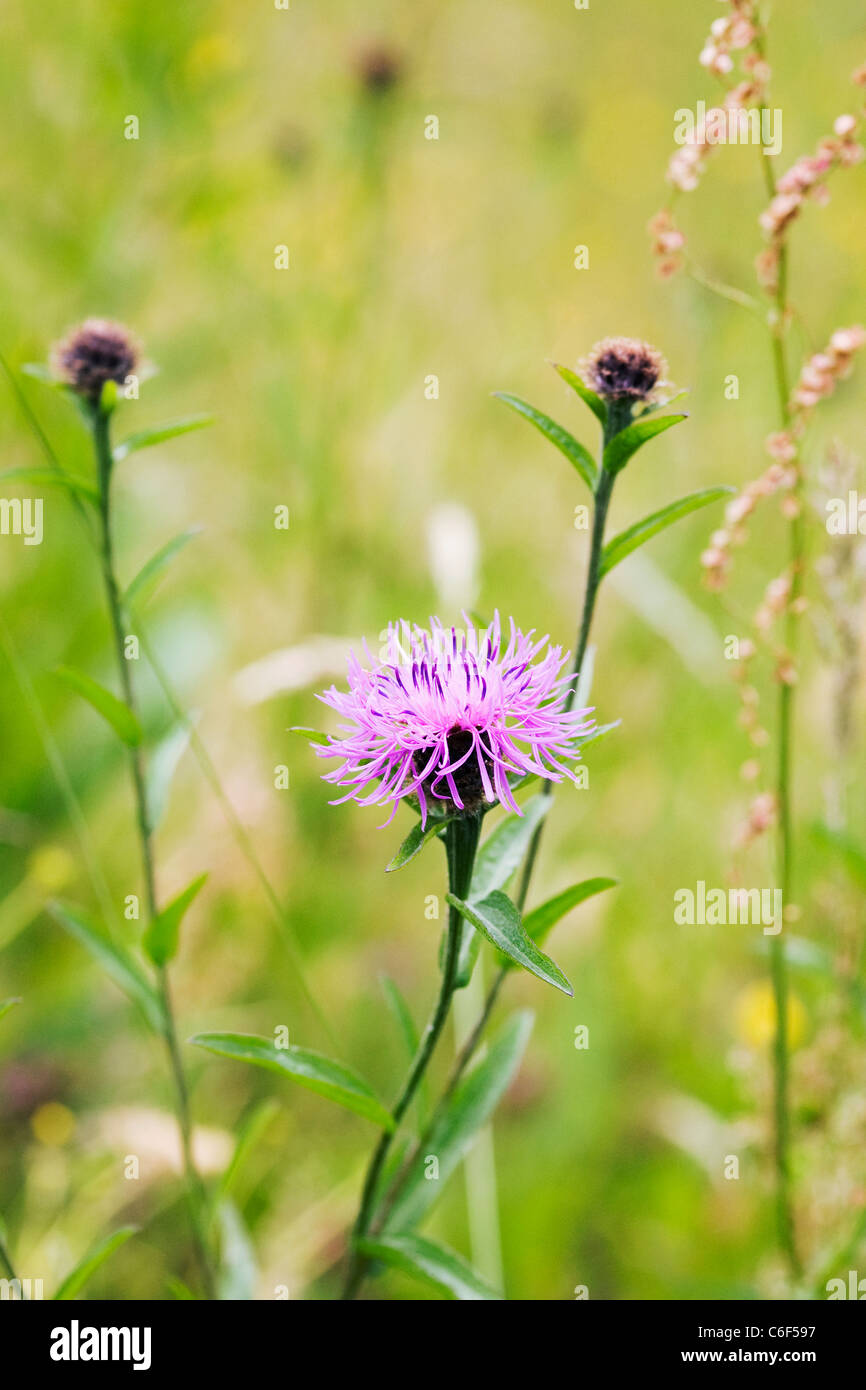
<point>595,403</point>
<point>497,859</point>
<point>579,457</point>
<point>310,1069</point>
<point>253,1126</point>
<point>52,477</point>
<point>114,711</point>
<point>162,766</point>
<point>498,919</point>
<point>431,1263</point>
<point>162,935</point>
<point>504,848</point>
<point>145,439</point>
<point>663,403</point>
<point>415,842</point>
<point>116,963</point>
<point>238,1270</point>
<point>308,735</point>
<point>541,920</point>
<point>642,531</point>
<point>411,1040</point>
<point>467,955</point>
<point>401,1012</point>
<point>627,442</point>
<point>78,1277</point>
<point>468,1110</point>
<point>7,1004</point>
<point>151,571</point>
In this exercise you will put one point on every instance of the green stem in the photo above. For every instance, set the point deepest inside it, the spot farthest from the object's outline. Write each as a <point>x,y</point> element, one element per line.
<point>616,420</point>
<point>618,417</point>
<point>196,1196</point>
<point>461,844</point>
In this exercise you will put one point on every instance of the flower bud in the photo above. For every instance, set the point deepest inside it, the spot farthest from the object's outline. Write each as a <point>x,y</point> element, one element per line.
<point>94,353</point>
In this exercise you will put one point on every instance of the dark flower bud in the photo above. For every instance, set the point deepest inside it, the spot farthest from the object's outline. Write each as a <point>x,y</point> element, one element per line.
<point>94,353</point>
<point>623,369</point>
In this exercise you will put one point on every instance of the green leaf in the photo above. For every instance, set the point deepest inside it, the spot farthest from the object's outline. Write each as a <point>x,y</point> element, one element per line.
<point>470,947</point>
<point>577,455</point>
<point>415,842</point>
<point>406,1024</point>
<point>595,403</point>
<point>78,1277</point>
<point>118,715</point>
<point>7,1004</point>
<point>642,531</point>
<point>145,439</point>
<point>497,859</point>
<point>310,1069</point>
<point>253,1126</point>
<point>308,735</point>
<point>663,403</point>
<point>160,941</point>
<point>543,919</point>
<point>504,848</point>
<point>431,1263</point>
<point>401,1012</point>
<point>238,1271</point>
<point>468,1110</point>
<point>150,572</point>
<point>116,963</point>
<point>497,918</point>
<point>162,767</point>
<point>52,477</point>
<point>620,449</point>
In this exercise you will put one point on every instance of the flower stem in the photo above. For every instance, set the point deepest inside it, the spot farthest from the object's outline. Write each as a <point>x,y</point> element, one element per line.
<point>196,1196</point>
<point>619,415</point>
<point>461,844</point>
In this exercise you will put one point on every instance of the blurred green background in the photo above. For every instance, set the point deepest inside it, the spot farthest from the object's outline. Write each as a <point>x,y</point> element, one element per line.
<point>409,258</point>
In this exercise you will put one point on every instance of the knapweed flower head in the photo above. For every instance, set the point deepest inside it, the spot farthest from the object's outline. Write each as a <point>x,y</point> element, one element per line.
<point>623,369</point>
<point>94,353</point>
<point>449,715</point>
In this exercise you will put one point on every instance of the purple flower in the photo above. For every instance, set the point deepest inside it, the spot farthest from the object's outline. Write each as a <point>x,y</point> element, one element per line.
<point>448,715</point>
